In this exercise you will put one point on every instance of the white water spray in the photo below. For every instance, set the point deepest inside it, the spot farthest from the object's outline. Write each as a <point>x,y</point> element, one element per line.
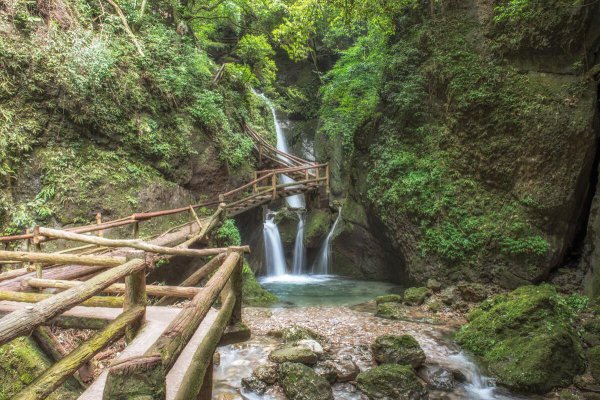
<point>295,201</point>
<point>299,251</point>
<point>321,266</point>
<point>273,247</point>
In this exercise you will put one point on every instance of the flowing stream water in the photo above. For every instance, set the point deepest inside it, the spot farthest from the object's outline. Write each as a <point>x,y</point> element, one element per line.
<point>274,254</point>
<point>299,250</point>
<point>327,304</point>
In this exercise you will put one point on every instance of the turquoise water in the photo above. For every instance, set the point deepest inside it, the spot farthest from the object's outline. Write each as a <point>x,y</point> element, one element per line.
<point>325,290</point>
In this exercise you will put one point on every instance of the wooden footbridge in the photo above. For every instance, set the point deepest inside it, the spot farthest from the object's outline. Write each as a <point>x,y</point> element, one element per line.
<point>101,285</point>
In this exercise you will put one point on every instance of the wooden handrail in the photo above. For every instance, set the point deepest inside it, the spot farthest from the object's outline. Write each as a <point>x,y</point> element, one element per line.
<point>22,322</point>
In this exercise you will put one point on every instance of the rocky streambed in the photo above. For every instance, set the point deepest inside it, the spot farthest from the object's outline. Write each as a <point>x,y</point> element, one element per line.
<point>345,335</point>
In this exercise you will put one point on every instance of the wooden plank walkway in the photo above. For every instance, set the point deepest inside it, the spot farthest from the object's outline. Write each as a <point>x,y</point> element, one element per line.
<point>175,342</point>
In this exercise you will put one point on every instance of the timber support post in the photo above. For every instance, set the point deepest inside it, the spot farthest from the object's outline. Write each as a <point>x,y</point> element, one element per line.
<point>37,247</point>
<point>236,287</point>
<point>274,186</point>
<point>99,222</point>
<point>135,295</point>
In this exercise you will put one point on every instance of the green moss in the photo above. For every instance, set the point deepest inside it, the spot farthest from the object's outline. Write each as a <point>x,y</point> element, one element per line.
<point>391,381</point>
<point>416,295</point>
<point>388,298</point>
<point>300,382</point>
<point>316,227</point>
<point>20,363</point>
<point>593,356</point>
<point>394,349</point>
<point>390,310</point>
<point>526,338</point>
<point>253,294</point>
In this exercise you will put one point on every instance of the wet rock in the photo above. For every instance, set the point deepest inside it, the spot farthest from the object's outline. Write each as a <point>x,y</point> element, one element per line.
<point>434,285</point>
<point>390,310</point>
<point>449,295</point>
<point>327,370</point>
<point>437,378</point>
<point>472,292</point>
<point>300,382</point>
<point>295,333</point>
<point>459,376</point>
<point>388,298</point>
<point>268,373</point>
<point>526,339</point>
<point>294,354</point>
<point>312,345</point>
<point>254,384</point>
<point>346,369</point>
<point>391,382</point>
<point>216,359</point>
<point>416,296</point>
<point>393,349</point>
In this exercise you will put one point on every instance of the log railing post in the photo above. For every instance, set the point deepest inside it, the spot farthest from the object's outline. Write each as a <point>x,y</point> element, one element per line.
<point>236,287</point>
<point>255,176</point>
<point>99,222</point>
<point>37,247</point>
<point>135,295</point>
<point>207,383</point>
<point>274,186</point>
<point>327,178</point>
<point>136,230</point>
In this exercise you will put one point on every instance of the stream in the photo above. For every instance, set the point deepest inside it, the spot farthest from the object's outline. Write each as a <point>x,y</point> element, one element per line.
<point>335,307</point>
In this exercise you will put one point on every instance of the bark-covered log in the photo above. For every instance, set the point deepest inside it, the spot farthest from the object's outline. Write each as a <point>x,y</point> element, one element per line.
<point>151,290</point>
<point>195,278</point>
<point>181,329</point>
<point>51,258</point>
<point>25,297</point>
<point>54,376</point>
<point>136,378</point>
<point>134,244</point>
<point>194,377</point>
<point>22,322</point>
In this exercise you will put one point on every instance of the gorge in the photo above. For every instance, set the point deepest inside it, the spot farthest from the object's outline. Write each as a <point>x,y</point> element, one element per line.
<point>443,240</point>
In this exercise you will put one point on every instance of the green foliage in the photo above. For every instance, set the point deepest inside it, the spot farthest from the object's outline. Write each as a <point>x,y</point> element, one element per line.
<point>255,51</point>
<point>351,90</point>
<point>228,234</point>
<point>253,294</point>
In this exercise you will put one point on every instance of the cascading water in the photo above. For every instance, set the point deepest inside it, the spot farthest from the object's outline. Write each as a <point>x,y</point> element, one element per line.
<point>299,251</point>
<point>273,247</point>
<point>296,201</point>
<point>321,266</point>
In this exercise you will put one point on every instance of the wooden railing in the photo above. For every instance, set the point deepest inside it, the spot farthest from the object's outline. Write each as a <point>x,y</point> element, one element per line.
<point>129,260</point>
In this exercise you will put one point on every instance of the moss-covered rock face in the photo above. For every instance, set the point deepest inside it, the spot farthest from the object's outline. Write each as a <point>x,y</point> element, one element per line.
<point>20,363</point>
<point>461,158</point>
<point>300,382</point>
<point>416,296</point>
<point>526,339</point>
<point>392,349</point>
<point>391,382</point>
<point>388,298</point>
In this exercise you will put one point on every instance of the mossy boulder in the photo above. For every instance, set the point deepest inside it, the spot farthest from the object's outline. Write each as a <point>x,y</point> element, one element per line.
<point>300,382</point>
<point>388,298</point>
<point>253,294</point>
<point>295,333</point>
<point>391,382</point>
<point>416,296</point>
<point>472,292</point>
<point>390,310</point>
<point>268,373</point>
<point>294,354</point>
<point>316,228</point>
<point>394,349</point>
<point>21,362</point>
<point>526,339</point>
<point>593,356</point>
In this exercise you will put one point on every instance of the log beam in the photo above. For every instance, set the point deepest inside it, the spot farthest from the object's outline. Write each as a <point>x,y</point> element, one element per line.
<point>22,322</point>
<point>25,297</point>
<point>54,376</point>
<point>51,258</point>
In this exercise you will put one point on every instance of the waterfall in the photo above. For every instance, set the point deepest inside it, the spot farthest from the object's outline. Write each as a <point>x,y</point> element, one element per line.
<point>296,201</point>
<point>321,266</point>
<point>273,247</point>
<point>299,251</point>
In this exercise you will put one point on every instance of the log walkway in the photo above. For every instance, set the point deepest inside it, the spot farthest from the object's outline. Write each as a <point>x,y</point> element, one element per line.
<point>101,285</point>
